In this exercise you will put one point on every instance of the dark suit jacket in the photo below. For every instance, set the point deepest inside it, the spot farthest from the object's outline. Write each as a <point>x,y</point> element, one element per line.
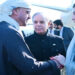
<point>57,32</point>
<point>16,59</point>
<point>45,46</point>
<point>67,36</point>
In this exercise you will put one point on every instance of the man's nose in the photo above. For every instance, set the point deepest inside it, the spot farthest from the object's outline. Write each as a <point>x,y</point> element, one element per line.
<point>38,23</point>
<point>29,17</point>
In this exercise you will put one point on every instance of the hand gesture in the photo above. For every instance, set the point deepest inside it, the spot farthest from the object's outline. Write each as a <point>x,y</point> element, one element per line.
<point>59,59</point>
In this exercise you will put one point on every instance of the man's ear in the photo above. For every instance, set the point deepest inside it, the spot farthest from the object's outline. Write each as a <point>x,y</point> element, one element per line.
<point>14,12</point>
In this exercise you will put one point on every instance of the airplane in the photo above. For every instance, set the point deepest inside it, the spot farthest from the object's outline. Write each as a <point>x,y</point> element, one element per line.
<point>66,12</point>
<point>62,9</point>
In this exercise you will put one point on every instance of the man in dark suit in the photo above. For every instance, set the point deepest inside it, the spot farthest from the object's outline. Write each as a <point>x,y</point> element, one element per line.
<point>15,57</point>
<point>65,32</point>
<point>42,44</point>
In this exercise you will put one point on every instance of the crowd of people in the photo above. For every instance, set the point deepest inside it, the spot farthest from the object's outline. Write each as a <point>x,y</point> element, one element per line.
<point>45,52</point>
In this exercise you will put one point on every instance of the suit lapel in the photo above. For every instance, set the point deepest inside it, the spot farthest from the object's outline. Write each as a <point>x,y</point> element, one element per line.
<point>57,32</point>
<point>63,34</point>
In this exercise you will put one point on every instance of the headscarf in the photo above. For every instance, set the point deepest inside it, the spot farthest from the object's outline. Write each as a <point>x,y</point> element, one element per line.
<point>6,10</point>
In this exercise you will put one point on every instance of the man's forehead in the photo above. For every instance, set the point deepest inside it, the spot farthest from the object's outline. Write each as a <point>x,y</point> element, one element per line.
<point>27,9</point>
<point>24,8</point>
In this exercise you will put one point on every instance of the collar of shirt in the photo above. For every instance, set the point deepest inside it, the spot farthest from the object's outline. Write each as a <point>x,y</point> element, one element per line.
<point>61,31</point>
<point>9,20</point>
<point>12,22</point>
<point>52,31</point>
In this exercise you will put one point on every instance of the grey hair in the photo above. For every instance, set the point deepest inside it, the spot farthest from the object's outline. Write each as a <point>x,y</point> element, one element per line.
<point>39,13</point>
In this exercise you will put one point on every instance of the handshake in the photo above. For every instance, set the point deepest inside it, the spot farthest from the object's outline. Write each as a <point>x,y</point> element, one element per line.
<point>59,60</point>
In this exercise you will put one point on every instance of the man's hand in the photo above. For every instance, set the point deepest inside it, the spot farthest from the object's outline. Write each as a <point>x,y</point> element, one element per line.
<point>59,59</point>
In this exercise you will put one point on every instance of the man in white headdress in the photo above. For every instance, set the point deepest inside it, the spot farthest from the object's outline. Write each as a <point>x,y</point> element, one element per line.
<point>15,57</point>
<point>70,58</point>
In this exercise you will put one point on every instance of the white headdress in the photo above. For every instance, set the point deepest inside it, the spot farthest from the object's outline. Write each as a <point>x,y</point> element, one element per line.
<point>9,5</point>
<point>6,10</point>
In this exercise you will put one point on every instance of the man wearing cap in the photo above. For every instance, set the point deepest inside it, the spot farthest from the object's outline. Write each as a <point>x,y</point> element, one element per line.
<point>15,57</point>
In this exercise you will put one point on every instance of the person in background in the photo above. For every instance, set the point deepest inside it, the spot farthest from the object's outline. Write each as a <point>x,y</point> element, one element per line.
<point>15,56</point>
<point>70,58</point>
<point>51,27</point>
<point>65,32</point>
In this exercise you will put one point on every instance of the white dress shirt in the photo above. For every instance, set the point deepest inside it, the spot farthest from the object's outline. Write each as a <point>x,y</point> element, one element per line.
<point>51,31</point>
<point>61,32</point>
